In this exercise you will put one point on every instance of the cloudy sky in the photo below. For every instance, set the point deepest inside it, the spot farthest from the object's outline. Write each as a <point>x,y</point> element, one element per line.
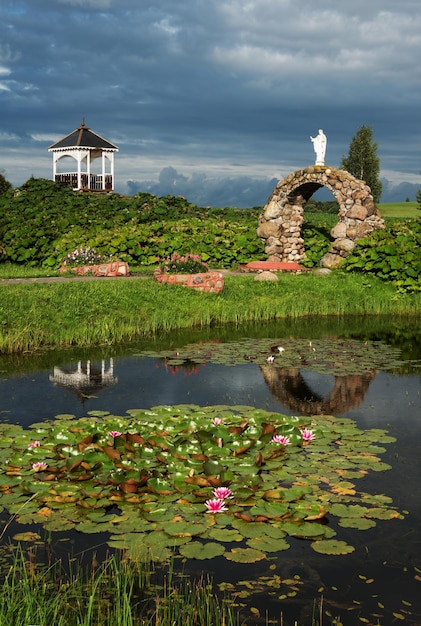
<point>211,99</point>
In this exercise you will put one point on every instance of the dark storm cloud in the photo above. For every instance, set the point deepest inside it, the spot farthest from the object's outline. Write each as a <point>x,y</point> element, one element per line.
<point>224,93</point>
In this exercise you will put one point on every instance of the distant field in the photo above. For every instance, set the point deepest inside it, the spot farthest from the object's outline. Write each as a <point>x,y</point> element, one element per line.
<point>399,209</point>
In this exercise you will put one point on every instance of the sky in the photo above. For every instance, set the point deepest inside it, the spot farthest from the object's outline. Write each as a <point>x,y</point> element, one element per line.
<point>214,100</point>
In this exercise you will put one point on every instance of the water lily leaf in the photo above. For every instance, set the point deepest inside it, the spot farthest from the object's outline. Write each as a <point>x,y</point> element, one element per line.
<point>245,555</point>
<point>351,510</point>
<point>268,544</point>
<point>226,535</point>
<point>378,466</point>
<point>138,551</point>
<point>212,467</point>
<point>304,530</point>
<point>160,486</point>
<point>356,522</point>
<point>27,536</point>
<point>90,527</point>
<point>309,511</point>
<point>270,509</point>
<point>202,551</point>
<point>332,546</point>
<point>58,523</point>
<point>344,488</point>
<point>161,539</point>
<point>257,529</point>
<point>183,528</point>
<point>378,513</point>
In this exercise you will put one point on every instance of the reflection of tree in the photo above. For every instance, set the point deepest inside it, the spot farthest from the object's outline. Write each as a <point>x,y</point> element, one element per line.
<point>289,387</point>
<point>86,379</point>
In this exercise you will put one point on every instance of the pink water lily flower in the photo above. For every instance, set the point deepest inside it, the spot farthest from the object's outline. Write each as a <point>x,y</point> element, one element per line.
<point>34,444</point>
<point>114,433</point>
<point>222,493</point>
<point>40,466</point>
<point>307,434</point>
<point>285,441</point>
<point>215,506</point>
<point>270,359</point>
<point>217,421</point>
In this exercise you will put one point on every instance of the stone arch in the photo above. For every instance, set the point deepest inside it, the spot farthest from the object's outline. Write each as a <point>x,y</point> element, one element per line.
<point>282,218</point>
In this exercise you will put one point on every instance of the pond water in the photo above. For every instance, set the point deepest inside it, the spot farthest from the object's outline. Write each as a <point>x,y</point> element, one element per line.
<point>381,579</point>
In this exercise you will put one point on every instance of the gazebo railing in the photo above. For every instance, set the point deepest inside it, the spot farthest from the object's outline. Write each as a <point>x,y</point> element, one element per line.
<point>92,182</point>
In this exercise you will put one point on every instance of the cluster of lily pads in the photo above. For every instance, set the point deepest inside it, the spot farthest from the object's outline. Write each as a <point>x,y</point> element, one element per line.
<point>149,478</point>
<point>327,355</point>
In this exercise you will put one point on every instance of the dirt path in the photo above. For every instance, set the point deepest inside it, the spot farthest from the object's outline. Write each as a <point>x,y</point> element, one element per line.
<point>65,279</point>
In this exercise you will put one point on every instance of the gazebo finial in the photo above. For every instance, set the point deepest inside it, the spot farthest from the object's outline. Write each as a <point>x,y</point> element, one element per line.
<point>83,121</point>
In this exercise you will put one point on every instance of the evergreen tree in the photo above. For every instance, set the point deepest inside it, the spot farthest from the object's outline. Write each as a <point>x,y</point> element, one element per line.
<point>4,184</point>
<point>362,160</point>
<point>418,198</point>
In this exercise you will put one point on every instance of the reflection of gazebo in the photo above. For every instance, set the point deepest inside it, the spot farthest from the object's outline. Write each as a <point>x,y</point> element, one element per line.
<point>75,156</point>
<point>289,387</point>
<point>85,379</point>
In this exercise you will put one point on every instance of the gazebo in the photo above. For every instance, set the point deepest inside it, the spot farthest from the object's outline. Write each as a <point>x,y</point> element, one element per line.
<point>76,157</point>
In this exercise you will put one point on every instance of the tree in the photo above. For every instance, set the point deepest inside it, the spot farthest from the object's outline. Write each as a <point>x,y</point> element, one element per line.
<point>4,184</point>
<point>418,197</point>
<point>362,160</point>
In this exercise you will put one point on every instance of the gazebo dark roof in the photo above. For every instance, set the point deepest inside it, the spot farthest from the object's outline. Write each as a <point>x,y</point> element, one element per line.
<point>83,137</point>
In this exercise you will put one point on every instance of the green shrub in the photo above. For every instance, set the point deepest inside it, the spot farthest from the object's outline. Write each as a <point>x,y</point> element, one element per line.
<point>392,254</point>
<point>42,221</point>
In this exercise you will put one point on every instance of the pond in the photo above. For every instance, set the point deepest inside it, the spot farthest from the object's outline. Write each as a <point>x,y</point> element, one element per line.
<point>368,373</point>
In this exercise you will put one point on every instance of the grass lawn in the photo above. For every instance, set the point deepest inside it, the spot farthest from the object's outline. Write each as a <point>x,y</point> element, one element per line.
<point>399,209</point>
<point>98,312</point>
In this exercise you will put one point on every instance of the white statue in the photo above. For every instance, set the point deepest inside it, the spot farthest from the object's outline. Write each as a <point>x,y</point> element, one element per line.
<point>319,145</point>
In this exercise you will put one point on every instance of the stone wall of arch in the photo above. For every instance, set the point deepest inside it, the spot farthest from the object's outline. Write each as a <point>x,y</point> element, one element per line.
<point>282,218</point>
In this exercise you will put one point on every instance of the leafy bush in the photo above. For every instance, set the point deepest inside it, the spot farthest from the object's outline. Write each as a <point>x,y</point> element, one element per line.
<point>43,221</point>
<point>317,239</point>
<point>392,254</point>
<point>315,206</point>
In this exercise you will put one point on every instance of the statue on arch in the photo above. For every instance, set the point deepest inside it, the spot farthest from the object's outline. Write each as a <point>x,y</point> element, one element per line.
<point>319,145</point>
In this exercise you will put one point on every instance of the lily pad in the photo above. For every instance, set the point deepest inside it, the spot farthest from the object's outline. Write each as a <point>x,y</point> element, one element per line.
<point>27,536</point>
<point>245,555</point>
<point>356,522</point>
<point>332,546</point>
<point>267,544</point>
<point>202,551</point>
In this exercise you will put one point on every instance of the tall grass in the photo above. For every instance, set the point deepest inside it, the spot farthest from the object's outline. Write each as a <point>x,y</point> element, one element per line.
<point>98,312</point>
<point>113,593</point>
<point>119,592</point>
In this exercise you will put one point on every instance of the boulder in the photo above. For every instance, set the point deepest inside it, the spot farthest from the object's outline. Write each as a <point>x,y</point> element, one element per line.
<point>266,276</point>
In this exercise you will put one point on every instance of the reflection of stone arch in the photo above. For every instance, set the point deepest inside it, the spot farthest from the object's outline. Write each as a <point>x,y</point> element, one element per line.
<point>288,386</point>
<point>282,218</point>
